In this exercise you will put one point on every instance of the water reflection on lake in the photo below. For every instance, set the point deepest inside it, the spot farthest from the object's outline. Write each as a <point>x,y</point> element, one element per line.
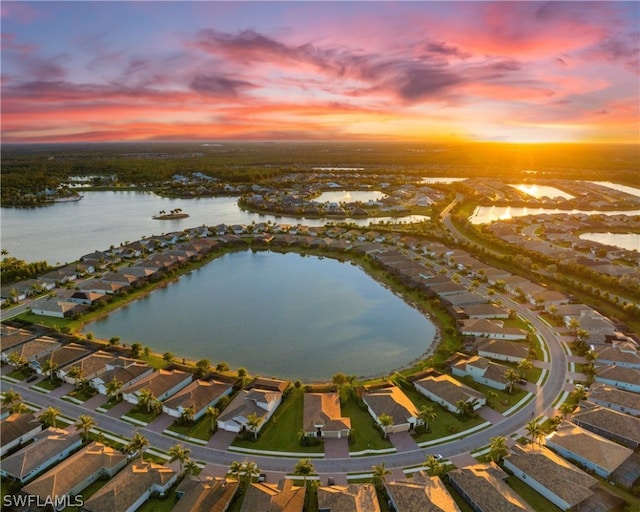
<point>540,191</point>
<point>486,214</point>
<point>350,196</point>
<point>277,314</point>
<point>629,241</point>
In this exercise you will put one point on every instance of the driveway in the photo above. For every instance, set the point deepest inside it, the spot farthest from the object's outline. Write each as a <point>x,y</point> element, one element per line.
<point>336,448</point>
<point>403,442</point>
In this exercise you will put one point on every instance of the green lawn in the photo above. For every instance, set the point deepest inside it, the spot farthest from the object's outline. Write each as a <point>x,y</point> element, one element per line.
<point>144,416</point>
<point>201,429</point>
<point>533,498</point>
<point>83,394</point>
<point>365,433</point>
<point>281,432</point>
<point>47,384</point>
<point>20,374</point>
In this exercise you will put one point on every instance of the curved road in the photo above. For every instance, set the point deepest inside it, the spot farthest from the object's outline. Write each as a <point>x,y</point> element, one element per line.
<point>541,405</point>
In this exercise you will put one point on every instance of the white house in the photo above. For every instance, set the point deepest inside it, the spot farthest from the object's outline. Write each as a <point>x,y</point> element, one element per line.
<point>198,395</point>
<point>18,429</point>
<point>261,402</point>
<point>491,329</point>
<point>501,350</point>
<point>447,391</point>
<point>621,377</point>
<point>481,370</point>
<point>614,398</point>
<point>322,416</point>
<point>394,403</point>
<point>162,383</point>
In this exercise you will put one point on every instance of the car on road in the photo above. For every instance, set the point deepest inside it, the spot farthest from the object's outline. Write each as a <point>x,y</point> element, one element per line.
<point>437,456</point>
<point>31,378</point>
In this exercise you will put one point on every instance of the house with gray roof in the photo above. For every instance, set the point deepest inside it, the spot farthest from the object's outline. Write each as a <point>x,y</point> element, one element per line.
<point>205,495</point>
<point>162,383</point>
<point>391,400</point>
<point>619,354</point>
<point>614,398</point>
<point>616,426</point>
<point>348,498</point>
<point>11,337</point>
<point>421,494</point>
<point>481,370</point>
<point>261,402</point>
<point>273,498</point>
<point>447,391</point>
<point>32,349</point>
<point>491,329</point>
<point>124,370</point>
<point>199,395</point>
<point>49,447</point>
<point>502,350</point>
<point>65,355</point>
<point>18,429</point>
<point>322,416</point>
<point>621,377</point>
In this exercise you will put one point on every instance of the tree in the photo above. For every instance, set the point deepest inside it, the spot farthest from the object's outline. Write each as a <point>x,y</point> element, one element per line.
<point>136,349</point>
<point>49,367</point>
<point>427,414</point>
<point>168,357</point>
<point>511,376</point>
<point>242,373</point>
<point>146,399</point>
<point>579,393</point>
<point>49,415</point>
<point>203,366</point>
<point>565,409</point>
<point>253,423</point>
<point>380,474</point>
<point>498,448</point>
<point>385,421</point>
<point>304,468</point>
<point>465,409</point>
<point>534,431</point>
<point>524,365</point>
<point>179,453</point>
<point>493,398</point>
<point>113,388</point>
<point>187,415</point>
<point>137,444</point>
<point>213,413</point>
<point>250,469</point>
<point>191,468</point>
<point>222,367</point>
<point>10,397</point>
<point>435,467</point>
<point>235,468</point>
<point>590,372</point>
<point>86,423</point>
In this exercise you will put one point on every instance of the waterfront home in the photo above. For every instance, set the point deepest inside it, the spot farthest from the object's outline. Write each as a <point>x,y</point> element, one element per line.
<point>48,447</point>
<point>74,474</point>
<point>124,370</point>
<point>61,357</point>
<point>199,395</point>
<point>502,350</point>
<point>480,311</point>
<point>613,398</point>
<point>255,401</point>
<point>421,494</point>
<point>456,300</point>
<point>481,370</point>
<point>86,298</point>
<point>11,337</point>
<point>562,483</point>
<point>391,401</point>
<point>549,298</point>
<point>592,451</point>
<point>162,383</point>
<point>489,329</point>
<point>616,426</point>
<point>18,429</point>
<point>484,488</point>
<point>88,367</point>
<point>446,391</point>
<point>54,307</point>
<point>348,498</point>
<point>322,416</point>
<point>32,350</point>
<point>196,494</point>
<point>621,377</point>
<point>96,286</point>
<point>273,498</point>
<point>620,353</point>
<point>130,488</point>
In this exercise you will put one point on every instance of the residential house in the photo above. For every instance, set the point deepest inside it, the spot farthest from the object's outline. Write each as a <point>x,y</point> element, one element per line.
<point>592,451</point>
<point>614,398</point>
<point>11,337</point>
<point>125,370</point>
<point>273,498</point>
<point>86,298</point>
<point>52,306</point>
<point>61,357</point>
<point>616,426</point>
<point>88,367</point>
<point>421,494</point>
<point>621,377</point>
<point>447,391</point>
<point>481,370</point>
<point>199,395</point>
<point>502,350</point>
<point>130,488</point>
<point>597,325</point>
<point>549,298</point>
<point>484,488</point>
<point>18,429</point>
<point>74,474</point>
<point>491,329</point>
<point>257,401</point>
<point>205,495</point>
<point>95,286</point>
<point>562,483</point>
<point>33,349</point>
<point>481,311</point>
<point>348,498</point>
<point>162,383</point>
<point>620,353</point>
<point>49,447</point>
<point>322,416</point>
<point>393,402</point>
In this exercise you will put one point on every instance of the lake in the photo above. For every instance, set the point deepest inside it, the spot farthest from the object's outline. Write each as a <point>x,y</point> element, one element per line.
<point>540,191</point>
<point>282,315</point>
<point>629,241</point>
<point>486,214</point>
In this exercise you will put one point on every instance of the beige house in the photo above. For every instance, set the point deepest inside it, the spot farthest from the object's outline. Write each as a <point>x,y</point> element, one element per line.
<point>421,494</point>
<point>348,498</point>
<point>273,498</point>
<point>447,391</point>
<point>196,494</point>
<point>322,416</point>
<point>392,402</point>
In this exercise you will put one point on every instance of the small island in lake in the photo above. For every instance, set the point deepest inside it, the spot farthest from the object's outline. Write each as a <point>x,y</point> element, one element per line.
<point>173,214</point>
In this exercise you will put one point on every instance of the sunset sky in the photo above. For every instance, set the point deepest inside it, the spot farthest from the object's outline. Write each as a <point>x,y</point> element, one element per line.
<point>331,71</point>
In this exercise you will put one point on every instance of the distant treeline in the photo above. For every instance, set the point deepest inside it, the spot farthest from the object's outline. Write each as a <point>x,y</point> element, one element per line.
<point>31,168</point>
<point>13,269</point>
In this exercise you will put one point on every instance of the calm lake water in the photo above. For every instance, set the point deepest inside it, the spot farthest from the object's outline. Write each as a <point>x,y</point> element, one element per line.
<point>277,315</point>
<point>542,191</point>
<point>485,214</point>
<point>629,241</point>
<point>346,196</point>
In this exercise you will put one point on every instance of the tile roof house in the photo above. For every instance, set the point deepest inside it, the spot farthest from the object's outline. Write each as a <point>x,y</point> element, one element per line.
<point>422,494</point>
<point>447,391</point>
<point>482,311</point>
<point>199,395</point>
<point>18,429</point>
<point>622,377</point>
<point>33,349</point>
<point>483,487</point>
<point>272,498</point>
<point>61,357</point>
<point>490,329</point>
<point>322,416</point>
<point>481,370</point>
<point>591,450</point>
<point>620,354</point>
<point>77,472</point>
<point>162,383</point>
<point>130,488</point>
<point>48,447</point>
<point>261,402</point>
<point>614,398</point>
<point>11,336</point>
<point>51,306</point>
<point>124,370</point>
<point>393,402</point>
<point>616,426</point>
<point>562,483</point>
<point>502,350</point>
<point>348,498</point>
<point>205,495</point>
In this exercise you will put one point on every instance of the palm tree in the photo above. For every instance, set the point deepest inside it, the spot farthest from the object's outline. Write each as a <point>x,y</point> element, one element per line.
<point>113,388</point>
<point>146,399</point>
<point>137,444</point>
<point>213,413</point>
<point>535,431</point>
<point>465,409</point>
<point>48,417</point>
<point>427,414</point>
<point>304,468</point>
<point>565,409</point>
<point>253,423</point>
<point>10,397</point>
<point>524,365</point>
<point>191,467</point>
<point>590,372</point>
<point>250,469</point>
<point>435,467</point>
<point>493,397</point>
<point>49,367</point>
<point>385,421</point>
<point>579,393</point>
<point>179,453</point>
<point>498,448</point>
<point>168,357</point>
<point>511,376</point>
<point>380,474</point>
<point>86,423</point>
<point>235,468</point>
<point>187,415</point>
